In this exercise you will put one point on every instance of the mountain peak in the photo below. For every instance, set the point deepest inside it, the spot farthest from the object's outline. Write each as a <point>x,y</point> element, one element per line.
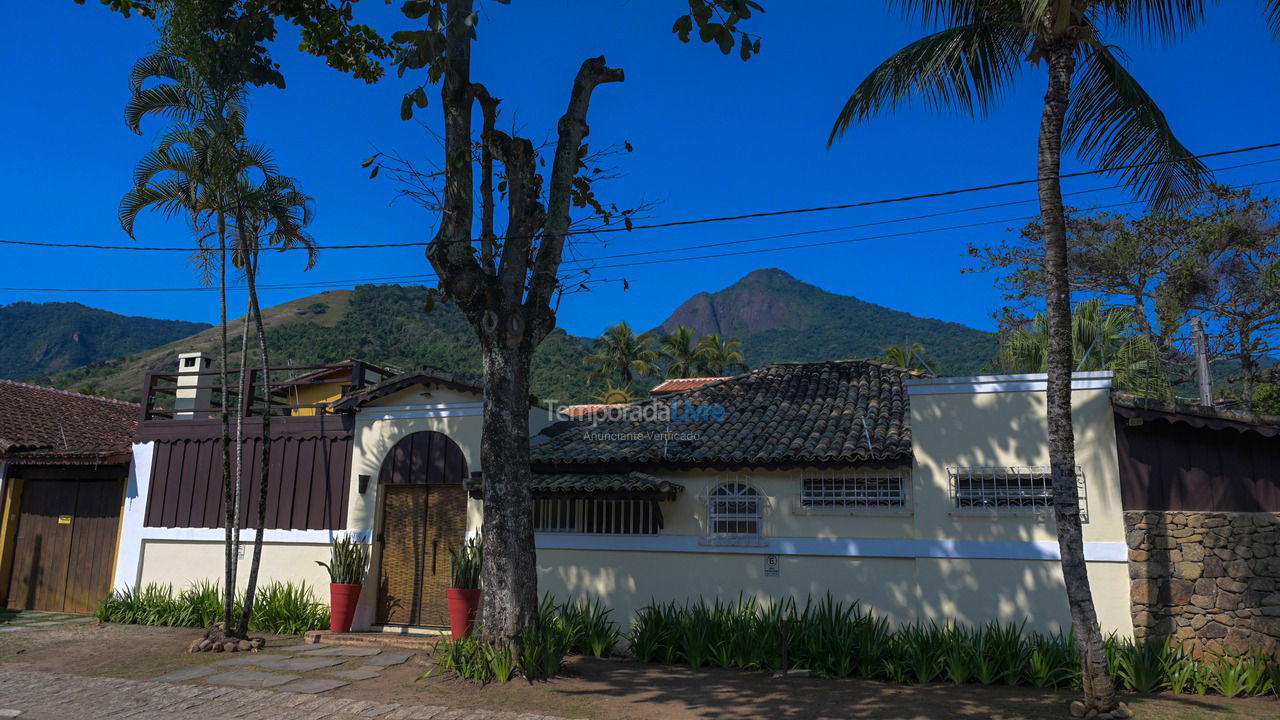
<point>779,317</point>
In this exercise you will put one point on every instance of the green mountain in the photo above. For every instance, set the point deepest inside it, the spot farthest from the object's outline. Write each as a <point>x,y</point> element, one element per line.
<point>778,317</point>
<point>383,324</point>
<point>41,338</point>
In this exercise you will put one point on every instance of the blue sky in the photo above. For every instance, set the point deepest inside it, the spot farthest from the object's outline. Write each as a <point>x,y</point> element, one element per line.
<point>712,136</point>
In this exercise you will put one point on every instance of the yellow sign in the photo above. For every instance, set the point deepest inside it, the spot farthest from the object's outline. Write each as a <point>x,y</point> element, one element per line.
<point>64,519</point>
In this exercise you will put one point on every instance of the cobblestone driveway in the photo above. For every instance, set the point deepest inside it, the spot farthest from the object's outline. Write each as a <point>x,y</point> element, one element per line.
<point>49,696</point>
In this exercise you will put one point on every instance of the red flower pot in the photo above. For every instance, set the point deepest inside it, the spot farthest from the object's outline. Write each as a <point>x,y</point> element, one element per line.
<point>342,606</point>
<point>463,605</point>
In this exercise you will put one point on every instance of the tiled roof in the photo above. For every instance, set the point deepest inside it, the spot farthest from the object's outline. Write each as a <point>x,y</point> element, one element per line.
<point>623,484</point>
<point>358,398</point>
<point>574,412</point>
<point>44,425</point>
<point>671,385</point>
<point>783,414</point>
<point>632,483</point>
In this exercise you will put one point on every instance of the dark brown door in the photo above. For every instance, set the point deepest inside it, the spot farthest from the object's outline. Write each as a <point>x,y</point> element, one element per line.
<point>65,545</point>
<point>419,525</point>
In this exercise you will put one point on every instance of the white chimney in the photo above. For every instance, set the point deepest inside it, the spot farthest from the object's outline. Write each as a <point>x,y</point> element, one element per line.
<point>193,396</point>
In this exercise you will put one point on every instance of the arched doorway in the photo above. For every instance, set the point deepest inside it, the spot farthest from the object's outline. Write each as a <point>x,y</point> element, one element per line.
<point>424,514</point>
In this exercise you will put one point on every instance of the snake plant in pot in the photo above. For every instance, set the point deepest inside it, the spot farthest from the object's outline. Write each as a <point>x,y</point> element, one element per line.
<point>464,589</point>
<point>348,560</point>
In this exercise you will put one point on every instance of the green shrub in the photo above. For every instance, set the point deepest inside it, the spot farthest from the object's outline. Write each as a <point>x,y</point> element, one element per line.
<point>281,607</point>
<point>288,609</point>
<point>348,559</point>
<point>465,564</point>
<point>835,639</point>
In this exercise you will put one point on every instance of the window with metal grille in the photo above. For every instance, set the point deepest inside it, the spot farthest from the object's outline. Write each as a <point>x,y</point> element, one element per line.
<point>1012,490</point>
<point>602,516</point>
<point>735,511</point>
<point>849,492</point>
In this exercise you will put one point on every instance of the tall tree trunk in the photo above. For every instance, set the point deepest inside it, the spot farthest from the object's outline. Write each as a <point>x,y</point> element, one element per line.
<point>509,574</point>
<point>1248,368</point>
<point>1099,691</point>
<point>251,279</point>
<point>229,580</point>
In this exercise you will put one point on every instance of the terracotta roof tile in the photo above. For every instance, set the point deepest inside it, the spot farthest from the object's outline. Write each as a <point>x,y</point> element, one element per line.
<point>671,385</point>
<point>784,413</point>
<point>42,424</point>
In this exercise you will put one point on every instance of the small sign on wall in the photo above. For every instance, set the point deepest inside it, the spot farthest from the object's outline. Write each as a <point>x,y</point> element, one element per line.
<point>64,519</point>
<point>771,566</point>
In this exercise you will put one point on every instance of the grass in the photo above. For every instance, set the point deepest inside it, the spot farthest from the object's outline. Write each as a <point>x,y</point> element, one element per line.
<point>283,608</point>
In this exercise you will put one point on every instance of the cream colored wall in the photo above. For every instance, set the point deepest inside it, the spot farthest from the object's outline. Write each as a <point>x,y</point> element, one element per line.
<point>902,576</point>
<point>1008,429</point>
<point>183,562</point>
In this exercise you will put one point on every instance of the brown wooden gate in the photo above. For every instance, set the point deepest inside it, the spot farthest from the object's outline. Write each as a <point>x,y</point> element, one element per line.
<point>420,523</point>
<point>65,544</point>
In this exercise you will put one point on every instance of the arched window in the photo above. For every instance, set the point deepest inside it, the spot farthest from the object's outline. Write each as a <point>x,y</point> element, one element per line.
<point>735,512</point>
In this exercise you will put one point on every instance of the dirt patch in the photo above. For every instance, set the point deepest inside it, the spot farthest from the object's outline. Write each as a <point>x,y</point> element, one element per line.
<point>607,689</point>
<point>126,651</point>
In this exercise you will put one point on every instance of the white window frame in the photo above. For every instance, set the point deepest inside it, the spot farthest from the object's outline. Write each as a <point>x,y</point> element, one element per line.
<point>568,516</point>
<point>1020,491</point>
<point>723,491</point>
<point>854,492</point>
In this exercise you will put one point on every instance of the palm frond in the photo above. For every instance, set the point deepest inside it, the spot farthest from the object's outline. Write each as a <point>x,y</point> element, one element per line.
<point>1114,122</point>
<point>1271,8</point>
<point>965,68</point>
<point>1160,20</point>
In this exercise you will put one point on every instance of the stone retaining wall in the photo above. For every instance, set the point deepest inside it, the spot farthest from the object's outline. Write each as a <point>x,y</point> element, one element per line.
<point>1208,579</point>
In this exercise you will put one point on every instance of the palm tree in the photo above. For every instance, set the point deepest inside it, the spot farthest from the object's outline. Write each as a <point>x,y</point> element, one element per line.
<point>907,355</point>
<point>274,214</point>
<point>680,353</point>
<point>620,353</point>
<point>1102,338</point>
<point>719,357</point>
<point>973,55</point>
<point>187,171</point>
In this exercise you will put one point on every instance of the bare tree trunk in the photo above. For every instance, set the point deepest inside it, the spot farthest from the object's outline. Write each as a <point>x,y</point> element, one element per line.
<point>229,581</point>
<point>509,575</point>
<point>1248,368</point>
<point>251,279</point>
<point>1099,691</point>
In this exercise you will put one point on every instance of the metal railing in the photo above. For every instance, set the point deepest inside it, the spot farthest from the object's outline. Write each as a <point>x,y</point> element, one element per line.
<point>1014,490</point>
<point>845,493</point>
<point>596,516</point>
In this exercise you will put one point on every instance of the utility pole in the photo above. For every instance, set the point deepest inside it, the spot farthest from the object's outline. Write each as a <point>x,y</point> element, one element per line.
<point>1202,362</point>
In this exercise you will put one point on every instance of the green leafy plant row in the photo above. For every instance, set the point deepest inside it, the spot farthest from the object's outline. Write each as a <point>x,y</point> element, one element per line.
<point>560,630</point>
<point>283,608</point>
<point>835,639</point>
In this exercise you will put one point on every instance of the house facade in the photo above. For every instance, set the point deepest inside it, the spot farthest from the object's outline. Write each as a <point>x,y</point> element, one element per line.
<point>921,498</point>
<point>64,460</point>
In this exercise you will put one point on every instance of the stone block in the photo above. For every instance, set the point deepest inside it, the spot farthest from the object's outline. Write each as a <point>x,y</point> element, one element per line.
<point>1193,552</point>
<point>1187,570</point>
<point>1212,567</point>
<point>1213,630</point>
<point>1203,601</point>
<point>1230,585</point>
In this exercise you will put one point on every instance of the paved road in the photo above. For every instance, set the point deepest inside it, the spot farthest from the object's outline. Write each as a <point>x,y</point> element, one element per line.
<point>49,696</point>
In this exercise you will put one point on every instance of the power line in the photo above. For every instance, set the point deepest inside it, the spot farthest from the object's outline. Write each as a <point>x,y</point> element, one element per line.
<point>745,216</point>
<point>587,263</point>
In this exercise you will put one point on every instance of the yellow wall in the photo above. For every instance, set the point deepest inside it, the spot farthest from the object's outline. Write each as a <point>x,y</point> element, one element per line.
<point>11,504</point>
<point>183,562</point>
<point>955,429</point>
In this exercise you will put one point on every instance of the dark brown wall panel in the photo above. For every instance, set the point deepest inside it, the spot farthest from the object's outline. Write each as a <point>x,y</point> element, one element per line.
<point>1168,465</point>
<point>309,470</point>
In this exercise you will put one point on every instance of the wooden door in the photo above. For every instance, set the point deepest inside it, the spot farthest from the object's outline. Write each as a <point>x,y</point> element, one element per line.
<point>419,525</point>
<point>64,548</point>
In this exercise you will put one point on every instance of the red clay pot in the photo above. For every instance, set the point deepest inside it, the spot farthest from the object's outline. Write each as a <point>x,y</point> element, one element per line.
<point>463,605</point>
<point>342,606</point>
